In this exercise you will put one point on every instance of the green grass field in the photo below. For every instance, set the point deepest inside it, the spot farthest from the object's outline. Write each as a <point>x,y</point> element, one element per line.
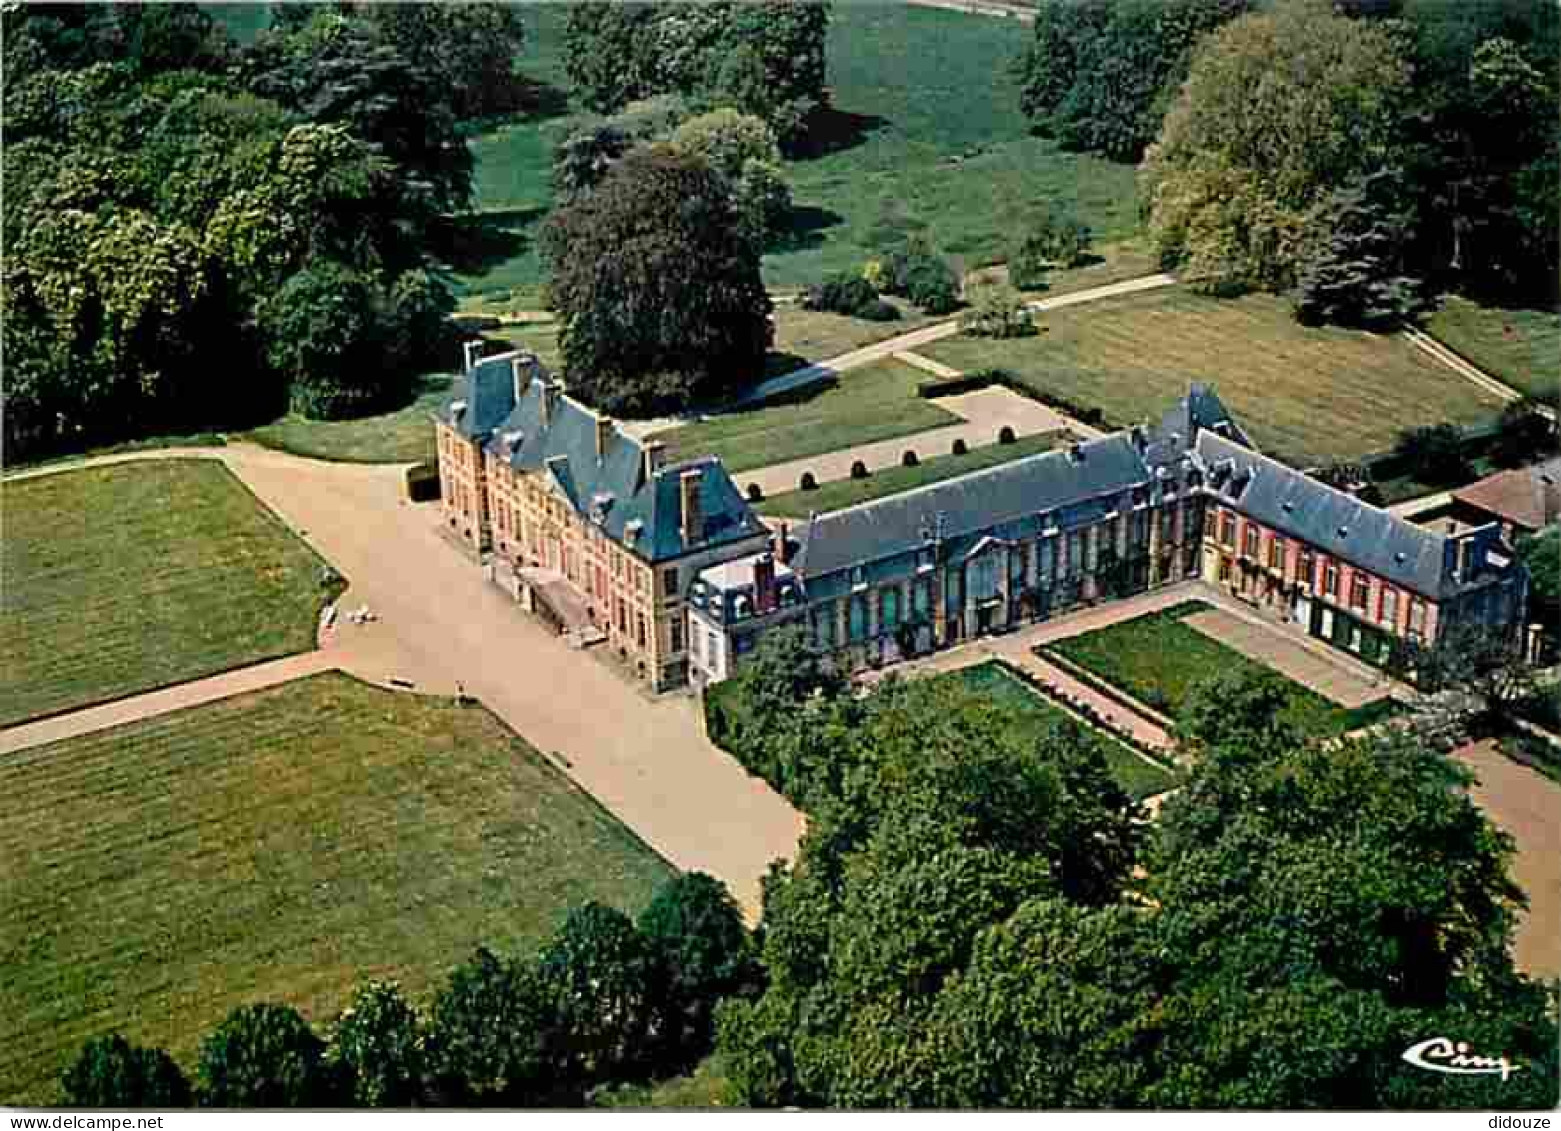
<point>279,846</point>
<point>1307,396</point>
<point>926,139</point>
<point>405,435</point>
<point>892,480</point>
<point>1521,347</point>
<point>1030,715</point>
<point>876,402</point>
<point>1157,660</point>
<point>124,578</point>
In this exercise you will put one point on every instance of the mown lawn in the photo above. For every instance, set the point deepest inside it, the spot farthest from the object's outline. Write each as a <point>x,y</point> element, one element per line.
<point>876,402</point>
<point>1307,396</point>
<point>279,846</point>
<point>892,480</point>
<point>1521,347</point>
<point>124,578</point>
<point>404,435</point>
<point>1158,660</point>
<point>1031,715</point>
<point>926,139</point>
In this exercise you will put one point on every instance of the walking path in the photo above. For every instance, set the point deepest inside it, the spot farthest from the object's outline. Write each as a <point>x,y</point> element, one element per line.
<point>915,339</point>
<point>1468,370</point>
<point>89,720</point>
<point>647,760</point>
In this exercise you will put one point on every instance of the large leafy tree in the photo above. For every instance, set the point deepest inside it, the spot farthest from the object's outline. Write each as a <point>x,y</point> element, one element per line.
<point>492,1035</point>
<point>111,1072</point>
<point>467,49</point>
<point>696,925</point>
<point>658,291</point>
<point>265,1056</point>
<point>1280,108</point>
<point>1098,73</point>
<point>379,1045</point>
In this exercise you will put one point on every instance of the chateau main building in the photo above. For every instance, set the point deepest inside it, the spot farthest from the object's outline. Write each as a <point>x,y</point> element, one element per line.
<point>668,566</point>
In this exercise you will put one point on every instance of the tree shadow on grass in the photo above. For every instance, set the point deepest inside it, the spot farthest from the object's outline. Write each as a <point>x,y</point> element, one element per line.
<point>476,244</point>
<point>805,228</point>
<point>829,129</point>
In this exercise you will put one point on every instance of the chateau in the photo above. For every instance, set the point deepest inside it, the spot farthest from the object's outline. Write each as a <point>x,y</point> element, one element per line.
<point>667,565</point>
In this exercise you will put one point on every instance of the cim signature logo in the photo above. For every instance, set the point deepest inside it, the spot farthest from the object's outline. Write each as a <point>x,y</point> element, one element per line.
<point>1454,1058</point>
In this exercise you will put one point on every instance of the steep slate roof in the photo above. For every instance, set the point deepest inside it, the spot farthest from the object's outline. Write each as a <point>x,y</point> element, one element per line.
<point>1174,436</point>
<point>970,504</point>
<point>1298,505</point>
<point>1526,496</point>
<point>613,487</point>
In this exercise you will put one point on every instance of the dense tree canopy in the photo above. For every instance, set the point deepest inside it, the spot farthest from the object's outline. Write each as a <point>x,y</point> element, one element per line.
<point>657,289</point>
<point>111,1072</point>
<point>1279,108</point>
<point>764,58</point>
<point>165,187</point>
<point>266,1056</point>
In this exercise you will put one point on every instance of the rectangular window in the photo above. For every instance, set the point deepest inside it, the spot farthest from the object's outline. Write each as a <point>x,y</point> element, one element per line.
<point>1358,589</point>
<point>1075,554</point>
<point>1138,531</point>
<point>1224,568</point>
<point>639,628</point>
<point>1303,573</point>
<point>857,622</point>
<point>1047,548</point>
<point>696,642</point>
<point>677,634</point>
<point>1227,529</point>
<point>890,610</point>
<point>1251,541</point>
<point>1416,617</point>
<point>921,599</point>
<point>1015,569</point>
<point>824,627</point>
<point>1389,611</point>
<point>669,582</point>
<point>1276,553</point>
<point>1331,580</point>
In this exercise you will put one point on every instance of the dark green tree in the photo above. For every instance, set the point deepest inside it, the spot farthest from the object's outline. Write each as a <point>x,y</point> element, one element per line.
<point>265,1056</point>
<point>1524,434</point>
<point>612,990</point>
<point>493,1036</point>
<point>1433,453</point>
<point>1354,274</point>
<point>111,1072</point>
<point>651,275</point>
<point>1541,553</point>
<point>696,925</point>
<point>325,333</point>
<point>378,1044</point>
<point>468,50</point>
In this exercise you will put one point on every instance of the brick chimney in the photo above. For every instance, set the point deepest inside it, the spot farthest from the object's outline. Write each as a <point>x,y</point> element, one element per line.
<point>691,509</point>
<point>783,545</point>
<point>604,431</point>
<point>764,584</point>
<point>521,370</point>
<point>652,454</point>
<point>549,402</point>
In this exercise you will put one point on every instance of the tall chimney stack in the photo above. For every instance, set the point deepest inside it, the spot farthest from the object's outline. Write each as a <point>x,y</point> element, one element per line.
<point>782,545</point>
<point>691,509</point>
<point>521,370</point>
<point>549,402</point>
<point>652,455</point>
<point>764,584</point>
<point>604,431</point>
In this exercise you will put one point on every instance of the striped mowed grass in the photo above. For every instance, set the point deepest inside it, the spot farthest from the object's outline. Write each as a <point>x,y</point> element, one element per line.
<point>278,846</point>
<point>124,578</point>
<point>1305,395</point>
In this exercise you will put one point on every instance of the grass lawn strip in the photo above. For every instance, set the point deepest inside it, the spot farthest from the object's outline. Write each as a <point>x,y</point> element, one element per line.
<point>876,402</point>
<point>1520,347</point>
<point>1306,395</point>
<point>892,480</point>
<point>405,435</point>
<point>1030,714</point>
<point>125,578</point>
<point>279,846</point>
<point>1157,660</point>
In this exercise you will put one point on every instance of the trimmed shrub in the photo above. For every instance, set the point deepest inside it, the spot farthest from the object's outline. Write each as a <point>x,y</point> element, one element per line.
<point>921,276</point>
<point>858,470</point>
<point>879,311</point>
<point>422,483</point>
<point>841,293</point>
<point>755,493</point>
<point>808,482</point>
<point>909,459</point>
<point>1006,435</point>
<point>960,447</point>
<point>996,311</point>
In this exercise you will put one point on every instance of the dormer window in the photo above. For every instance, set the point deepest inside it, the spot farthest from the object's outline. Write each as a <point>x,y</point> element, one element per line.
<point>858,577</point>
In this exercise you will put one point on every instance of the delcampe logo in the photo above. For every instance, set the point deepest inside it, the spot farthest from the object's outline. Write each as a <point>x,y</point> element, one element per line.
<point>1454,1058</point>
